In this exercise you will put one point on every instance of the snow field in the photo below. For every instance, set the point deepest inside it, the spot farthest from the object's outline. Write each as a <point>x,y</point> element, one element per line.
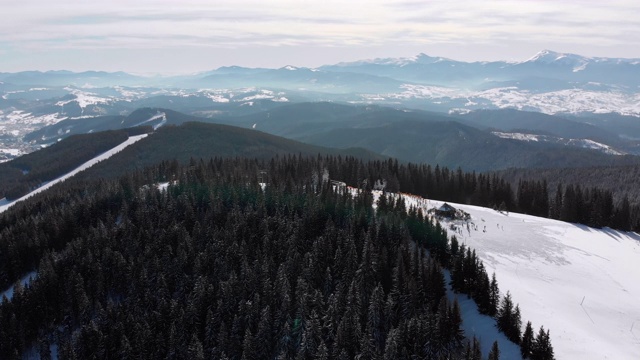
<point>580,283</point>
<point>475,324</point>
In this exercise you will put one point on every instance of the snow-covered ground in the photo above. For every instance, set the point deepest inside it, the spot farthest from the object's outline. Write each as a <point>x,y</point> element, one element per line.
<point>581,283</point>
<point>4,205</point>
<point>245,95</point>
<point>159,115</point>
<point>13,152</point>
<point>583,143</point>
<point>84,98</point>
<point>483,327</point>
<point>572,101</point>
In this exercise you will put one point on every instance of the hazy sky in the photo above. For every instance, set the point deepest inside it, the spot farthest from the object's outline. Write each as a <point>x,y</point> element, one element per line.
<point>157,36</point>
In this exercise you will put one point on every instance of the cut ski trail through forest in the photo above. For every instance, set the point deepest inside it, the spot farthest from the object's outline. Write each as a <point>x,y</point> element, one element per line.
<point>4,204</point>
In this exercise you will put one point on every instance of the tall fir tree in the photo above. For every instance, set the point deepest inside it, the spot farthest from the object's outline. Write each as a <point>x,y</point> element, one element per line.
<point>494,354</point>
<point>542,349</point>
<point>526,344</point>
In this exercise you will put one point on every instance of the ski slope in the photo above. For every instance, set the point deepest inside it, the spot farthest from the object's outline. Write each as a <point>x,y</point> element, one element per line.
<point>474,323</point>
<point>4,204</point>
<point>159,115</point>
<point>581,283</point>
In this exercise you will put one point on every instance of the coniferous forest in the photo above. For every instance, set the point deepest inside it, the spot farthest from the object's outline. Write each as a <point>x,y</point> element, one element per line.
<point>244,259</point>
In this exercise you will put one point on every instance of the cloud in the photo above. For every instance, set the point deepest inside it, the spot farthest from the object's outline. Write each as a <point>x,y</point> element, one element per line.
<point>40,25</point>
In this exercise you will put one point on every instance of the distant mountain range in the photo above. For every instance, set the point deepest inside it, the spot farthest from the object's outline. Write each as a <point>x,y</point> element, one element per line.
<point>482,141</point>
<point>562,99</point>
<point>548,82</point>
<point>546,64</point>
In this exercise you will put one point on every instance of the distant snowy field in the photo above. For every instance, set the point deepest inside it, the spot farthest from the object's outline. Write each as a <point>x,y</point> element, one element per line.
<point>572,101</point>
<point>581,283</point>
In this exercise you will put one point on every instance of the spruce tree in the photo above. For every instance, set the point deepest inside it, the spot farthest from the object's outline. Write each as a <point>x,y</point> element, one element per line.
<point>516,326</point>
<point>494,354</point>
<point>392,346</point>
<point>195,350</point>
<point>476,351</point>
<point>322,353</point>
<point>505,314</point>
<point>542,349</point>
<point>494,296</point>
<point>527,341</point>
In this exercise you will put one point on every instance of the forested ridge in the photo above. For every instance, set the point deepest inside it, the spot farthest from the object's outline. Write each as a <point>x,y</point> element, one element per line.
<point>622,181</point>
<point>573,202</point>
<point>217,267</point>
<point>23,174</point>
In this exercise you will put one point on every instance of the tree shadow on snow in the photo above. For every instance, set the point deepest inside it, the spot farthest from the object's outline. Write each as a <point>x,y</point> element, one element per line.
<point>614,234</point>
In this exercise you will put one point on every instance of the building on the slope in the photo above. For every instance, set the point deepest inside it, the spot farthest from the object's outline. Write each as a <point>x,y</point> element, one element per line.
<point>446,210</point>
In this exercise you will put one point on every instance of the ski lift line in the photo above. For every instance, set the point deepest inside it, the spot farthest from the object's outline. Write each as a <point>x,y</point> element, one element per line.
<point>585,310</point>
<point>631,330</point>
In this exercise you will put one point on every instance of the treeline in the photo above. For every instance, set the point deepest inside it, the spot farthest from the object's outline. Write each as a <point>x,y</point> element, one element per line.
<point>217,267</point>
<point>590,206</point>
<point>621,181</point>
<point>469,276</point>
<point>23,174</point>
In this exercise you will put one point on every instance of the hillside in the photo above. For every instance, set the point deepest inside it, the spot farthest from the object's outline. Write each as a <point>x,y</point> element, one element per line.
<point>298,121</point>
<point>20,175</point>
<point>578,281</point>
<point>622,181</point>
<point>551,260</point>
<point>7,203</point>
<point>151,117</point>
<point>510,120</point>
<point>216,266</point>
<point>453,144</point>
<point>194,140</point>
<point>466,140</point>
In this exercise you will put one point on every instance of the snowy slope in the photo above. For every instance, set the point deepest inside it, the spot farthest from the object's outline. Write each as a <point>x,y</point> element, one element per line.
<point>474,323</point>
<point>159,115</point>
<point>579,282</point>
<point>483,327</point>
<point>4,205</point>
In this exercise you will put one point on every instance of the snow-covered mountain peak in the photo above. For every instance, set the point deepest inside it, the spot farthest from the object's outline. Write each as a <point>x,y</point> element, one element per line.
<point>229,68</point>
<point>552,57</point>
<point>544,56</point>
<point>421,58</point>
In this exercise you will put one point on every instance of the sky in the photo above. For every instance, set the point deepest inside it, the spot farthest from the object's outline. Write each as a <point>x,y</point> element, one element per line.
<point>175,37</point>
